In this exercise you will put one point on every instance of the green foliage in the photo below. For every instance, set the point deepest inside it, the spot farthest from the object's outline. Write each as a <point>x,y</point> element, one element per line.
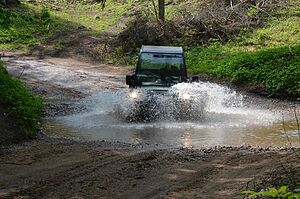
<point>45,15</point>
<point>268,58</point>
<point>281,192</point>
<point>118,56</point>
<point>31,24</point>
<point>204,59</point>
<point>24,104</point>
<point>84,13</point>
<point>26,26</point>
<point>278,69</point>
<point>17,28</point>
<point>252,11</point>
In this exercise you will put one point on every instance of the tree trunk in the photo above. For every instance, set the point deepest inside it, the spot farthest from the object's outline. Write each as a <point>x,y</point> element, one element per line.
<point>9,2</point>
<point>161,9</point>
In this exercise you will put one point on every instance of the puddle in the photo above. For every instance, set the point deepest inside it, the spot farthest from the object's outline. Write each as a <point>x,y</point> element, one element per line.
<point>227,119</point>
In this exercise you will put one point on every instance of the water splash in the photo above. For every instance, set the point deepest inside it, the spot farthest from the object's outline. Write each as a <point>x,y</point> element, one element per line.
<point>210,104</point>
<point>226,104</point>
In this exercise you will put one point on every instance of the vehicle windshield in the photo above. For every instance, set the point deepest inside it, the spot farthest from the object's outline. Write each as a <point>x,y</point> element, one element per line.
<point>157,69</point>
<point>158,61</point>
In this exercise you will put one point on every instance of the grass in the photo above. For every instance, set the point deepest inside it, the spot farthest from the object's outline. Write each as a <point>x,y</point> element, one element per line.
<point>25,105</point>
<point>267,57</point>
<point>24,27</point>
<point>85,14</point>
<point>30,24</point>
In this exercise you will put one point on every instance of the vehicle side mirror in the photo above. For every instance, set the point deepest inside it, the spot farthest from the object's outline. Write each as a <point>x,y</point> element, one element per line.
<point>130,80</point>
<point>195,79</point>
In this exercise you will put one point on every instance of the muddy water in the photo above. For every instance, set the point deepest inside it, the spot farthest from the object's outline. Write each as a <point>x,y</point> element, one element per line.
<point>227,118</point>
<point>223,116</point>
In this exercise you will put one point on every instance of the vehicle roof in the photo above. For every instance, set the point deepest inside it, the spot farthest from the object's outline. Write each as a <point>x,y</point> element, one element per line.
<point>162,49</point>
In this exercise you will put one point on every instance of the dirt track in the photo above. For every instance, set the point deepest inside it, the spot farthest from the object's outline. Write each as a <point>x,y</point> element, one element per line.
<point>61,168</point>
<point>56,168</point>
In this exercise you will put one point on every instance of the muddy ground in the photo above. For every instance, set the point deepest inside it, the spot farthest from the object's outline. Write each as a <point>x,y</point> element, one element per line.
<point>55,167</point>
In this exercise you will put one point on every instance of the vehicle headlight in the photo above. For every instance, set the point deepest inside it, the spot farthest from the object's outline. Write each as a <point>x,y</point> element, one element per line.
<point>134,95</point>
<point>186,96</point>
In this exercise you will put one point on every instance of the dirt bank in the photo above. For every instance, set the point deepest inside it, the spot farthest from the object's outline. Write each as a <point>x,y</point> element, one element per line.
<point>56,168</point>
<point>10,131</point>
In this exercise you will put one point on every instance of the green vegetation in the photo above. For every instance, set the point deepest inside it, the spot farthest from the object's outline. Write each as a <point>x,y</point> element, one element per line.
<point>30,24</point>
<point>281,192</point>
<point>25,26</point>
<point>268,57</point>
<point>24,104</point>
<point>85,14</point>
<point>277,69</point>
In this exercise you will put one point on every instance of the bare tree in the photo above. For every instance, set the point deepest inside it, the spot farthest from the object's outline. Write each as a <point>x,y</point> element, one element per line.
<point>161,8</point>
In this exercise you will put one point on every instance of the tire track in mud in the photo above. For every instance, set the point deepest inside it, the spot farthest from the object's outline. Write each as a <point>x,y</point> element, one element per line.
<point>72,178</point>
<point>89,170</point>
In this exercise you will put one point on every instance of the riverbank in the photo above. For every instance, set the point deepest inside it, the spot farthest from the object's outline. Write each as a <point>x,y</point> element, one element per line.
<point>20,109</point>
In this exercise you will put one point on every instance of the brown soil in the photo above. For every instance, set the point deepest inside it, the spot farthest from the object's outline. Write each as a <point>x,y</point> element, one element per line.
<point>66,169</point>
<point>9,129</point>
<point>78,44</point>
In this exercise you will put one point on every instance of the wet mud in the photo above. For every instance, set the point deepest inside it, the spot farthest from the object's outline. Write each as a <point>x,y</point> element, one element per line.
<point>57,168</point>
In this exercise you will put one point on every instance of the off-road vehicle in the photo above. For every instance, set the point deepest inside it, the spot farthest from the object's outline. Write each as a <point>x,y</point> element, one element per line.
<point>158,69</point>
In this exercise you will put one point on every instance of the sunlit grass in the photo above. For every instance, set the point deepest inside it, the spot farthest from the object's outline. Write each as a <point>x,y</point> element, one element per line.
<point>106,20</point>
<point>231,60</point>
<point>26,106</point>
<point>26,26</point>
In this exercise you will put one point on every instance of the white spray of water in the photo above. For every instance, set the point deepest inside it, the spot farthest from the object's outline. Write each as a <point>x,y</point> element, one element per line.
<point>221,105</point>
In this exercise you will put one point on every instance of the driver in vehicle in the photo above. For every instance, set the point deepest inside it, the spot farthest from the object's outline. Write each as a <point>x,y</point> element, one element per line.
<point>169,70</point>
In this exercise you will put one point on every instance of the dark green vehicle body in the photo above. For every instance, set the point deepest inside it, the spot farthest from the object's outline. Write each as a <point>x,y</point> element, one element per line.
<point>151,69</point>
<point>158,69</point>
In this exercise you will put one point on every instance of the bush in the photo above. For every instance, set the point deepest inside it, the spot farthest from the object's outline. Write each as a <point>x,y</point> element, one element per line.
<point>281,192</point>
<point>23,103</point>
<point>277,69</point>
<point>222,19</point>
<point>142,31</point>
<point>217,20</point>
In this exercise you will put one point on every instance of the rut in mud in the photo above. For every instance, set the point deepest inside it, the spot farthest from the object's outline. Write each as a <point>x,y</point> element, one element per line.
<point>66,169</point>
